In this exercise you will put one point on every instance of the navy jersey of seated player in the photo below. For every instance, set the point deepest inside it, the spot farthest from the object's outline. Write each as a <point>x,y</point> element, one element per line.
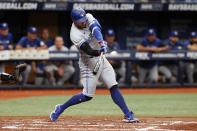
<point>49,43</point>
<point>155,44</point>
<point>5,38</point>
<point>25,42</point>
<point>174,44</point>
<point>192,40</point>
<point>114,47</point>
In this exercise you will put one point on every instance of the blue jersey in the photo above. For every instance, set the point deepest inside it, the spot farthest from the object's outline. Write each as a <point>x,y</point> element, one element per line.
<point>114,47</point>
<point>155,44</point>
<point>24,42</point>
<point>176,46</point>
<point>188,43</point>
<point>6,41</point>
<point>49,43</point>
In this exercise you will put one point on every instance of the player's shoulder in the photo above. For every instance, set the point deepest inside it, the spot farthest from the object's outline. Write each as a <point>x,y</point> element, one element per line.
<point>157,39</point>
<point>52,48</point>
<point>9,35</point>
<point>24,38</point>
<point>186,42</point>
<point>64,48</point>
<point>89,16</point>
<point>37,39</point>
<point>75,34</point>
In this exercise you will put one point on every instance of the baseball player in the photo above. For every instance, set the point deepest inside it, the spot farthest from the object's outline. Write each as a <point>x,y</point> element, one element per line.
<point>170,68</point>
<point>30,42</point>
<point>64,69</point>
<point>86,35</point>
<point>191,45</point>
<point>149,43</point>
<point>5,41</point>
<point>119,66</point>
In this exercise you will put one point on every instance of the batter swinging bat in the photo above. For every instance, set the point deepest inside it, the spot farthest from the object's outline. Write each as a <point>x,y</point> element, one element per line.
<point>98,63</point>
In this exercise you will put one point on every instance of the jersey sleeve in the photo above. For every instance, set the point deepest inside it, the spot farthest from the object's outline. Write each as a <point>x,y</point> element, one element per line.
<point>21,42</point>
<point>94,27</point>
<point>186,44</point>
<point>90,18</point>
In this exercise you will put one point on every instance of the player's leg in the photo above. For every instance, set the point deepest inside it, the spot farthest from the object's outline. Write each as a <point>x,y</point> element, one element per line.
<point>165,71</point>
<point>49,69</point>
<point>153,74</point>
<point>190,72</point>
<point>108,78</point>
<point>68,72</point>
<point>142,74</point>
<point>89,86</point>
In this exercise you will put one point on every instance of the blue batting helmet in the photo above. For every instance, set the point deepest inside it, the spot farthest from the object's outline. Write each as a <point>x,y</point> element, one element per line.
<point>78,15</point>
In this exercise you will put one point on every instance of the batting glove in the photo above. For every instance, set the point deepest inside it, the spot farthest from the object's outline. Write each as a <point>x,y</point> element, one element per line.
<point>103,49</point>
<point>102,43</point>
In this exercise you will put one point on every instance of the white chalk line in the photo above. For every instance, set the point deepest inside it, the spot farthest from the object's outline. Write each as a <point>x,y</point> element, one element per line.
<point>44,124</point>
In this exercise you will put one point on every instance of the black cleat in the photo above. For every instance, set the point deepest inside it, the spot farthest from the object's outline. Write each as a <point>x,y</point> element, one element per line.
<point>17,72</point>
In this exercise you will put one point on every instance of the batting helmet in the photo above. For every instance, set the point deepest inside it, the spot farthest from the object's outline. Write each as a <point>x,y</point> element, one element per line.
<point>78,15</point>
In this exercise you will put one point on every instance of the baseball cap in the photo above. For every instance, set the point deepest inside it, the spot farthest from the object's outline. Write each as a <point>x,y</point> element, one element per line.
<point>32,30</point>
<point>193,34</point>
<point>151,32</point>
<point>174,33</point>
<point>4,26</point>
<point>78,15</point>
<point>110,32</point>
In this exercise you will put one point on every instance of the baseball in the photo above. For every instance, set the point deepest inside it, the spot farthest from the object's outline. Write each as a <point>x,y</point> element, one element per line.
<point>113,53</point>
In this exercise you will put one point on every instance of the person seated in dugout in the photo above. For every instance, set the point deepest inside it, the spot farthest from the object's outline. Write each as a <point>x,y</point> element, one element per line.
<point>32,42</point>
<point>169,69</point>
<point>63,70</point>
<point>189,66</point>
<point>149,43</point>
<point>113,46</point>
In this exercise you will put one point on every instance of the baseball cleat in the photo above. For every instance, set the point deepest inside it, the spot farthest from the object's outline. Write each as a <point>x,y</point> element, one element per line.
<point>55,114</point>
<point>130,118</point>
<point>17,72</point>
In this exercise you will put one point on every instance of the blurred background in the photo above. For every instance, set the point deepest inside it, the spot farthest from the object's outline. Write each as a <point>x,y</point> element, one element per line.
<point>151,43</point>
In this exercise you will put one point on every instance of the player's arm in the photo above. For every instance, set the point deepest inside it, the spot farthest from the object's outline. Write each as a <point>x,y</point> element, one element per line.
<point>95,28</point>
<point>165,48</point>
<point>162,47</point>
<point>143,48</point>
<point>88,50</point>
<point>20,44</point>
<point>192,47</point>
<point>42,46</point>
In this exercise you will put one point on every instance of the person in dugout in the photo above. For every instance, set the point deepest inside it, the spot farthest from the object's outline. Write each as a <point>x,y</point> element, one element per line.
<point>191,45</point>
<point>169,69</point>
<point>149,43</point>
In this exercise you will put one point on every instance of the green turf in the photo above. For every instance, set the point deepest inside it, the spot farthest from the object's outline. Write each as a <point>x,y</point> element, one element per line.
<point>142,105</point>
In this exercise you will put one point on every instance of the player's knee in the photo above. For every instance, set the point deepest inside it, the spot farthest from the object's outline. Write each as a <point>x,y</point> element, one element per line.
<point>88,98</point>
<point>113,87</point>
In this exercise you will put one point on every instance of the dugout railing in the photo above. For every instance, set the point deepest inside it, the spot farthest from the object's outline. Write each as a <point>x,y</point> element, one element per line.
<point>130,57</point>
